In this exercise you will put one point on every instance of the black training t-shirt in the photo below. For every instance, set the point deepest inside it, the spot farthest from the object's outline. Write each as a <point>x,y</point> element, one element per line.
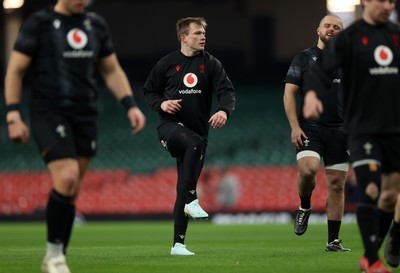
<point>331,96</point>
<point>370,59</point>
<point>194,80</point>
<point>65,51</point>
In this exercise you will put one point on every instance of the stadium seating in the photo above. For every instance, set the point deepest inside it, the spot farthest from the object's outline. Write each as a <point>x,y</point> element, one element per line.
<point>258,189</point>
<point>256,134</point>
<point>135,175</point>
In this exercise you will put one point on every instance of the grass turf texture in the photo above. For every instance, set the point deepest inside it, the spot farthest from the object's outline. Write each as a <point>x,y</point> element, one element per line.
<point>119,247</point>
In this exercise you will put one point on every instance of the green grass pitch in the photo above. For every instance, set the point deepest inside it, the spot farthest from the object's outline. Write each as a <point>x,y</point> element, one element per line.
<point>122,247</point>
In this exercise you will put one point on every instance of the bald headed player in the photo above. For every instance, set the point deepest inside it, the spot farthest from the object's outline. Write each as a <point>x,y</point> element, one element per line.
<point>316,139</point>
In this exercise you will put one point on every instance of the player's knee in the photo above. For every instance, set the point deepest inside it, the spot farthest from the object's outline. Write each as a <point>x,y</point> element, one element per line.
<point>372,190</point>
<point>336,184</point>
<point>368,181</point>
<point>67,182</point>
<point>197,143</point>
<point>335,179</point>
<point>308,173</point>
<point>308,168</point>
<point>388,199</point>
<point>370,195</point>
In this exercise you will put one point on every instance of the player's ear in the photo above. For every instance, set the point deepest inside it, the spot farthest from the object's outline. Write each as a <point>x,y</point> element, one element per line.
<point>318,31</point>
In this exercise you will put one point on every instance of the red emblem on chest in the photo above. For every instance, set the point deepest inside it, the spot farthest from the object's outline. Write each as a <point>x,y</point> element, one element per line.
<point>202,69</point>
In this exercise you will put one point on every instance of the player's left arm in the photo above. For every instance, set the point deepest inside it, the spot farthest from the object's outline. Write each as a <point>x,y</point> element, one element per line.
<point>218,120</point>
<point>117,82</point>
<point>225,94</point>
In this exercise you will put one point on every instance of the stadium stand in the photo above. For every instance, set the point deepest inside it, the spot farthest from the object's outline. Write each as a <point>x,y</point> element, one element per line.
<point>134,175</point>
<point>257,134</point>
<point>259,189</point>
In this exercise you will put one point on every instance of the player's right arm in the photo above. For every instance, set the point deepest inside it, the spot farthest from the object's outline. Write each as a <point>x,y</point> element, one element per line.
<point>153,91</point>
<point>18,63</point>
<point>171,106</point>
<point>289,102</point>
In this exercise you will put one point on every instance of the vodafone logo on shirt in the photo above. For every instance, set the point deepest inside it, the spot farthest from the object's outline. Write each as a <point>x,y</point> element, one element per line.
<point>190,80</point>
<point>77,39</point>
<point>383,55</point>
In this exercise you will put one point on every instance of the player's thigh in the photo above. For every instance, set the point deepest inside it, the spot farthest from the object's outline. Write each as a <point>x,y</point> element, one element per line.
<point>336,157</point>
<point>53,135</point>
<point>365,150</point>
<point>309,155</point>
<point>165,133</point>
<point>366,160</point>
<point>176,138</point>
<point>390,186</point>
<point>336,154</point>
<point>85,130</point>
<point>390,153</point>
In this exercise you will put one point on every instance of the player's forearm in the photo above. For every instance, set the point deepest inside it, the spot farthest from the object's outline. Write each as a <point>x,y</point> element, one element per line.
<point>13,87</point>
<point>293,121</point>
<point>118,84</point>
<point>12,95</point>
<point>290,110</point>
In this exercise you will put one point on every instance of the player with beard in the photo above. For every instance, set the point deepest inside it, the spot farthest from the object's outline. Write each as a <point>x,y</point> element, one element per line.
<point>64,45</point>
<point>368,51</point>
<point>322,138</point>
<point>180,88</point>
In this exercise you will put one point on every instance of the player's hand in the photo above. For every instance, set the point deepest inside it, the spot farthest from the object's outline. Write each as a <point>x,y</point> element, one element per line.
<point>312,107</point>
<point>171,106</point>
<point>297,137</point>
<point>218,120</point>
<point>137,119</point>
<point>17,130</point>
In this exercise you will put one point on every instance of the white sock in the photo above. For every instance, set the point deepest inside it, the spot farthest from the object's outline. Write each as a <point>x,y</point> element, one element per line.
<point>53,250</point>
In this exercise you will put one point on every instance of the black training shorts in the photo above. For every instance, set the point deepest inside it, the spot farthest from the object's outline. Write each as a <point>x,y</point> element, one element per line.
<point>383,148</point>
<point>330,144</point>
<point>65,134</point>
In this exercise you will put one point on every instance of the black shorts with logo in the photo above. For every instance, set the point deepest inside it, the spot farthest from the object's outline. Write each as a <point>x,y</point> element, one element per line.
<point>329,143</point>
<point>384,148</point>
<point>65,134</point>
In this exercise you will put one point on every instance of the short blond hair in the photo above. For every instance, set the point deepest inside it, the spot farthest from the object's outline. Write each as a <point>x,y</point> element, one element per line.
<point>182,25</point>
